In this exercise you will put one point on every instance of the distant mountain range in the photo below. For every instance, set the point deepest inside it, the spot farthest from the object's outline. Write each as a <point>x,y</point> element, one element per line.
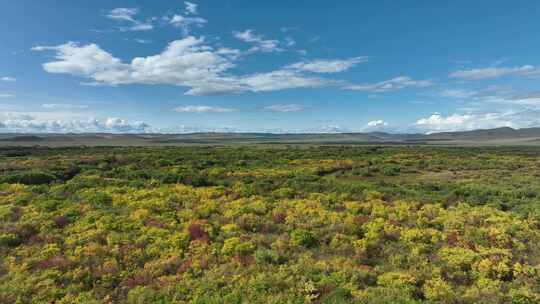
<point>498,136</point>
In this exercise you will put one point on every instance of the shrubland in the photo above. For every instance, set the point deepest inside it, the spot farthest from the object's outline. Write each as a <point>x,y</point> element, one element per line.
<point>280,224</point>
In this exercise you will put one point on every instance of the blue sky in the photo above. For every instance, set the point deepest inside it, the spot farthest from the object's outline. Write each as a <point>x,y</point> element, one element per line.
<point>273,66</point>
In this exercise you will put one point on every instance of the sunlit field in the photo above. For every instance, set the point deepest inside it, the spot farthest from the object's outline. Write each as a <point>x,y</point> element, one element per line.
<point>284,224</point>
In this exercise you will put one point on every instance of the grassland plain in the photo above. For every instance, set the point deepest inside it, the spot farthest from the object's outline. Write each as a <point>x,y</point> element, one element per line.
<point>270,224</point>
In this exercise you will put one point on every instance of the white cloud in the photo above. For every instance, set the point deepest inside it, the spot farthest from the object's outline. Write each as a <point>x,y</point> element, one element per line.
<point>331,128</point>
<point>377,124</point>
<point>217,87</point>
<point>472,121</point>
<point>532,99</point>
<point>142,41</point>
<point>8,79</point>
<point>454,122</point>
<point>506,98</point>
<point>184,62</point>
<point>88,60</point>
<point>191,8</point>
<point>6,95</point>
<point>328,65</point>
<point>186,22</point>
<point>138,27</point>
<point>116,124</point>
<point>495,72</point>
<point>285,108</point>
<point>290,42</point>
<point>281,80</point>
<point>22,123</point>
<point>260,44</point>
<point>127,15</point>
<point>458,93</point>
<point>15,116</point>
<point>63,106</point>
<point>182,129</point>
<point>122,13</point>
<point>228,52</point>
<point>203,109</point>
<point>393,84</point>
<point>187,62</point>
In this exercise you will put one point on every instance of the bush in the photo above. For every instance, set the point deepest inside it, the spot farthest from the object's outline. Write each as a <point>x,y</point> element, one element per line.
<point>303,238</point>
<point>235,246</point>
<point>29,178</point>
<point>9,240</point>
<point>391,170</point>
<point>99,199</point>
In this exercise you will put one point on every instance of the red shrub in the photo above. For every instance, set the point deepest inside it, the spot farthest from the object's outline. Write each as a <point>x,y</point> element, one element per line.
<point>365,268</point>
<point>452,239</point>
<point>139,279</point>
<point>152,222</point>
<point>61,221</point>
<point>361,219</point>
<point>58,261</point>
<point>279,218</point>
<point>244,260</point>
<point>197,232</point>
<point>184,266</point>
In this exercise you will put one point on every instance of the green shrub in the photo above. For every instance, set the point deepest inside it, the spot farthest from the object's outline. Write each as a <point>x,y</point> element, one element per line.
<point>303,238</point>
<point>29,178</point>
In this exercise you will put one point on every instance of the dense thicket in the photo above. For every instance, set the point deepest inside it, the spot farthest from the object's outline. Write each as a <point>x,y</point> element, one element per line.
<point>270,225</point>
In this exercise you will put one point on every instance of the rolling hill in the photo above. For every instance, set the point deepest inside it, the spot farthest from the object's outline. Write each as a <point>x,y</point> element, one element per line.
<point>498,136</point>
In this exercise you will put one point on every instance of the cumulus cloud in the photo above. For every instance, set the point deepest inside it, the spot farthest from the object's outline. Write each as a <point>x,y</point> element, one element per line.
<point>88,60</point>
<point>6,95</point>
<point>260,44</point>
<point>8,79</point>
<point>472,121</point>
<point>115,124</point>
<point>328,65</point>
<point>203,109</point>
<point>183,61</point>
<point>495,72</point>
<point>127,15</point>
<point>394,84</point>
<point>377,124</point>
<point>186,62</point>
<point>285,108</point>
<point>22,123</point>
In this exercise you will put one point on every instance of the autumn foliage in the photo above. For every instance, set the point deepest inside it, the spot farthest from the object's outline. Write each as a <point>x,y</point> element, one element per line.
<point>270,225</point>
